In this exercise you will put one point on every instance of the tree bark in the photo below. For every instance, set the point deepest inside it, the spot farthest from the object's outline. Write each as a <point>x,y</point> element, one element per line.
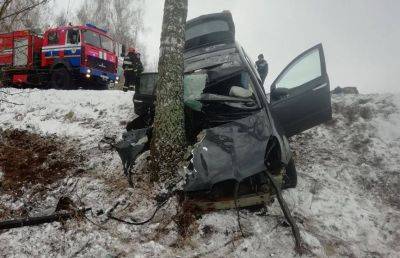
<point>168,144</point>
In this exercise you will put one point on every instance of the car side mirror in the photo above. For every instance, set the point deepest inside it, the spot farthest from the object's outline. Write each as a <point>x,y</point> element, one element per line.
<point>279,93</point>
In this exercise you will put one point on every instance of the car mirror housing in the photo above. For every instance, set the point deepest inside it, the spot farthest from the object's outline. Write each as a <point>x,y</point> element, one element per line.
<point>279,93</point>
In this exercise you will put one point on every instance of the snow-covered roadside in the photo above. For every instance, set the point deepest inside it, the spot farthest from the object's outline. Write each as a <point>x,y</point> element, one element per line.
<point>350,178</point>
<point>347,201</point>
<point>84,114</point>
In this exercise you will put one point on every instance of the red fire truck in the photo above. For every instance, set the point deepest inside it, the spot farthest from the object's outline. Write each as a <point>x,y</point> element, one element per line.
<point>62,58</point>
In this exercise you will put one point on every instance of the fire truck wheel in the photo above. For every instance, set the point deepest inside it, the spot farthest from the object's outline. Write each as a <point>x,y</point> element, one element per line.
<point>61,79</point>
<point>103,86</point>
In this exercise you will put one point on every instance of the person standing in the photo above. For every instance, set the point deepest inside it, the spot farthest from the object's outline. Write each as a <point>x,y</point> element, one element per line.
<point>137,69</point>
<point>262,67</point>
<point>133,68</point>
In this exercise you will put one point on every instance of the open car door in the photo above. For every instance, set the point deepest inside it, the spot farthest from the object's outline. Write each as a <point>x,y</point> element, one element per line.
<point>300,96</point>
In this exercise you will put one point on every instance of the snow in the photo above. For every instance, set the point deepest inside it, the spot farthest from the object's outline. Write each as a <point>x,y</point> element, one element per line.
<point>347,202</point>
<point>68,113</point>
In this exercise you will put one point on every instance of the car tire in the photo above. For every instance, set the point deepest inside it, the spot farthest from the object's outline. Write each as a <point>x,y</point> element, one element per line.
<point>290,177</point>
<point>61,79</point>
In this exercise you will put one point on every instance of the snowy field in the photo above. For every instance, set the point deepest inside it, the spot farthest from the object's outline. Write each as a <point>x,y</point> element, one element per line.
<point>347,203</point>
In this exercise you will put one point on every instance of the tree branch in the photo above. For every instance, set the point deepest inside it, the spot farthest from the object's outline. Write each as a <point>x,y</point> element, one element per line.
<point>33,221</point>
<point>295,230</point>
<point>28,8</point>
<point>4,7</point>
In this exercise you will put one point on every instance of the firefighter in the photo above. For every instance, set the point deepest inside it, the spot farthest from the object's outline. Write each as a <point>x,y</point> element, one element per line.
<point>262,67</point>
<point>133,68</point>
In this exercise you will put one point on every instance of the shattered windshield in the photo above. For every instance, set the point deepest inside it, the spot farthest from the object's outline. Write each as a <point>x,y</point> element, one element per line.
<point>212,79</point>
<point>228,58</point>
<point>235,90</point>
<point>213,98</point>
<point>194,85</point>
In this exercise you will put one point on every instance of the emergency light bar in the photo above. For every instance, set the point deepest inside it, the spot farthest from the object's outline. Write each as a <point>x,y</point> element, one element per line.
<point>94,27</point>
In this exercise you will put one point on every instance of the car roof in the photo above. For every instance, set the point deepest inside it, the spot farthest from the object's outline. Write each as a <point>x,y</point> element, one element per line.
<point>217,36</point>
<point>225,15</point>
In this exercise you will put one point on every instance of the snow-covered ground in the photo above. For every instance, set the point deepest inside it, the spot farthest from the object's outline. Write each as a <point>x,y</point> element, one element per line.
<point>347,202</point>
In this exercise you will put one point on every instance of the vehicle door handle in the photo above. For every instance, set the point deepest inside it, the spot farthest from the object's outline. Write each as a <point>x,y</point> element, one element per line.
<point>320,86</point>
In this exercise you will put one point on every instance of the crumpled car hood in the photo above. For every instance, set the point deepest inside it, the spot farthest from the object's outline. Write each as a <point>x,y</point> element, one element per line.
<point>233,151</point>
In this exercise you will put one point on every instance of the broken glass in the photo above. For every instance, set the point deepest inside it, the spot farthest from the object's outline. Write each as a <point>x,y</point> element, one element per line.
<point>194,85</point>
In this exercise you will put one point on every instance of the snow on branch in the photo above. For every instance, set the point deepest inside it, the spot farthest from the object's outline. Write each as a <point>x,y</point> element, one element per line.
<point>22,10</point>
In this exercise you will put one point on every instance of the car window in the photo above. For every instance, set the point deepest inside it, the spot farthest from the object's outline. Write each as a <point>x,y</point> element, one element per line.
<point>208,32</point>
<point>107,43</point>
<point>206,28</point>
<point>52,38</point>
<point>73,36</point>
<point>148,84</point>
<point>92,38</point>
<point>306,69</point>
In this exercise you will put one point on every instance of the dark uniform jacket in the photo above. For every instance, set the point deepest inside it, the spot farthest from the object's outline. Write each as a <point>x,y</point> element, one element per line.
<point>262,68</point>
<point>133,67</point>
<point>132,63</point>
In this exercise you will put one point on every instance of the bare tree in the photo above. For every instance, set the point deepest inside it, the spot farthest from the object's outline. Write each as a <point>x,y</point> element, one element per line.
<point>61,19</point>
<point>21,14</point>
<point>122,18</point>
<point>169,141</point>
<point>4,7</point>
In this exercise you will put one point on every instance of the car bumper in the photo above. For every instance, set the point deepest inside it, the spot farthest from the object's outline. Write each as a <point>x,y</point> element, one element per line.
<point>91,72</point>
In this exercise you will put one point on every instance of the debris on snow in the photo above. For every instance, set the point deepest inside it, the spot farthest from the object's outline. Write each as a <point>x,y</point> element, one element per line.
<point>346,202</point>
<point>345,90</point>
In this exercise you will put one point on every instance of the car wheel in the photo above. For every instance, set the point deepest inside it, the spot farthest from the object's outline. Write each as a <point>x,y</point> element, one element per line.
<point>61,79</point>
<point>290,177</point>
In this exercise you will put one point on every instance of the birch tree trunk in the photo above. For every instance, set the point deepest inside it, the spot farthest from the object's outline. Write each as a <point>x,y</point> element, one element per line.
<point>168,144</point>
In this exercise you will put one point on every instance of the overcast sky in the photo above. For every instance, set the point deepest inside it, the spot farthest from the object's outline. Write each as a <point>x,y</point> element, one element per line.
<point>361,38</point>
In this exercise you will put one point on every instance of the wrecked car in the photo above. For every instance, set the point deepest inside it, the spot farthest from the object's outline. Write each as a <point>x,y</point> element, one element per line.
<point>237,131</point>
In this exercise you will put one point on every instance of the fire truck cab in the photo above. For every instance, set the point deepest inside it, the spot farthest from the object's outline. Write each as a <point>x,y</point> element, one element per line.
<point>84,51</point>
<point>69,56</point>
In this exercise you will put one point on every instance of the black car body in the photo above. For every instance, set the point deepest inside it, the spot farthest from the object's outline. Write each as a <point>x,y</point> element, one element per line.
<point>237,130</point>
<point>145,94</point>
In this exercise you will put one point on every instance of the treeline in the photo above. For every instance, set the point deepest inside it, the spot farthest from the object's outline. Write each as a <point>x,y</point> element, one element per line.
<point>23,14</point>
<point>123,19</point>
